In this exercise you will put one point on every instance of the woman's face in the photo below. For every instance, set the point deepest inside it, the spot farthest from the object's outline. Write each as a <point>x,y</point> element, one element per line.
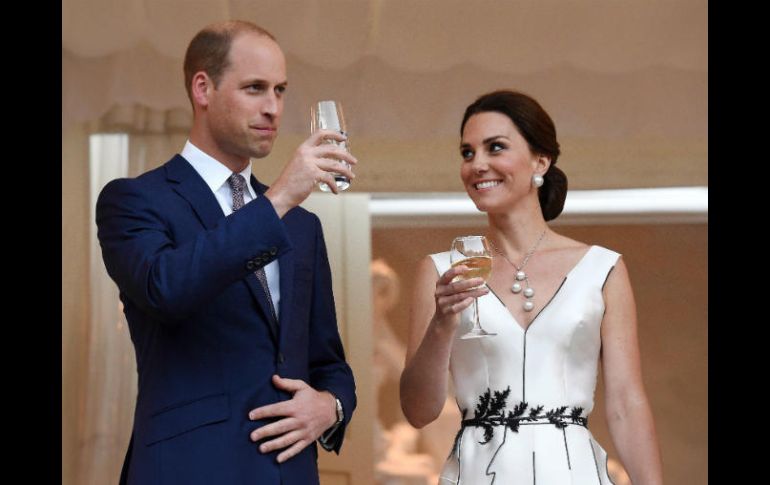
<point>497,165</point>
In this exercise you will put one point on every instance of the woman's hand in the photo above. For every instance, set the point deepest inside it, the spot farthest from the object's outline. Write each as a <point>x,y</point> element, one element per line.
<point>453,295</point>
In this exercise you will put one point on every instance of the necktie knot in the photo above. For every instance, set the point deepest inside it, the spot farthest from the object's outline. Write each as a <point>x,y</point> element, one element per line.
<point>237,184</point>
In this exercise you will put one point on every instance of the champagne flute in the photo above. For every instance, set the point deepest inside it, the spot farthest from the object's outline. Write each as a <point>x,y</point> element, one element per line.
<point>473,253</point>
<point>327,115</point>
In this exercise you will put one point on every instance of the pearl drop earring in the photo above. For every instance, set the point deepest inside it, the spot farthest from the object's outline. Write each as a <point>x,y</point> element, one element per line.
<point>537,180</point>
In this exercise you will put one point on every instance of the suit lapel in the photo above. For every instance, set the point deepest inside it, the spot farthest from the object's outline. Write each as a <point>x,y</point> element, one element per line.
<point>191,187</point>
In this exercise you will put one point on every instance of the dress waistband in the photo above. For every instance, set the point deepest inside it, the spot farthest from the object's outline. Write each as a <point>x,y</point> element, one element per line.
<point>557,416</point>
<point>523,414</point>
<point>492,410</point>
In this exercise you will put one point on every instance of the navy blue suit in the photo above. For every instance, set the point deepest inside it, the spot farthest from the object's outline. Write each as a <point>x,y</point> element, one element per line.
<point>206,345</point>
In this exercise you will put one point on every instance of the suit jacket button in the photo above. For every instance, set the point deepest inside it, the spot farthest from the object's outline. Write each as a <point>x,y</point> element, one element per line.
<point>251,266</point>
<point>273,251</point>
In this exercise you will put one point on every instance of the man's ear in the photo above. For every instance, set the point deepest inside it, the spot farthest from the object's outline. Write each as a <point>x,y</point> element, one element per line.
<point>201,88</point>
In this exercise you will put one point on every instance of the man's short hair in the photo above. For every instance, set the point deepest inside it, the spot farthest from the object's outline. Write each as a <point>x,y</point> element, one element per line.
<point>208,50</point>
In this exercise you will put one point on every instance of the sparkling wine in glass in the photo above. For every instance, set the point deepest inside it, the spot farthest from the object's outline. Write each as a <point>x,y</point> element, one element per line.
<point>327,115</point>
<point>472,252</point>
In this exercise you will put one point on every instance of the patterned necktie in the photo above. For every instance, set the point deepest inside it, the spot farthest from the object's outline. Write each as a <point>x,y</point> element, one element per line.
<point>237,184</point>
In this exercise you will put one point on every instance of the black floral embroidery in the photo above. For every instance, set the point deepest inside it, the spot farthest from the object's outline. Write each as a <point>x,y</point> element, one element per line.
<point>575,417</point>
<point>490,412</point>
<point>556,416</point>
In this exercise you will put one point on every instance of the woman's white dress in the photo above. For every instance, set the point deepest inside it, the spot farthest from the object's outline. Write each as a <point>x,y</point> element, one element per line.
<point>525,394</point>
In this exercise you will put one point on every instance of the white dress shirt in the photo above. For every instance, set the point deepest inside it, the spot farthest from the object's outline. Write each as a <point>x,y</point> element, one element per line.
<point>215,174</point>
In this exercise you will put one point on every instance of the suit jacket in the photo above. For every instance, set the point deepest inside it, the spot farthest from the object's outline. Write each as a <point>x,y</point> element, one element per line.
<point>206,344</point>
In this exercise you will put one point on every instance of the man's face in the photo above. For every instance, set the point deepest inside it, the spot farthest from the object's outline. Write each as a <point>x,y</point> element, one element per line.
<point>245,109</point>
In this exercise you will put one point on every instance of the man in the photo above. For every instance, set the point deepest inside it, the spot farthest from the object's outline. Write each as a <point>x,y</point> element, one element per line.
<point>226,285</point>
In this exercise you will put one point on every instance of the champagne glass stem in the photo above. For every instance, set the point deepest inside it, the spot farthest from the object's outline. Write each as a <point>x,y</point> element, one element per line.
<point>476,323</point>
<point>477,330</point>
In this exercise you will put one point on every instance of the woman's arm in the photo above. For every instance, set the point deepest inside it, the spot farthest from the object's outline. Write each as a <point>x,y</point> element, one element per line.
<point>434,318</point>
<point>628,411</point>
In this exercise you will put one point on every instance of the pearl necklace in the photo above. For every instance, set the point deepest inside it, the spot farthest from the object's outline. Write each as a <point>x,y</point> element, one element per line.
<point>516,288</point>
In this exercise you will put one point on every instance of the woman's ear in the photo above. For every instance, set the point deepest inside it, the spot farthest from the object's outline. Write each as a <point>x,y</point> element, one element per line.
<point>542,164</point>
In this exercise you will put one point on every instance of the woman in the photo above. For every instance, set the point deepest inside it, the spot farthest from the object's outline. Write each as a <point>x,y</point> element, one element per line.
<point>526,392</point>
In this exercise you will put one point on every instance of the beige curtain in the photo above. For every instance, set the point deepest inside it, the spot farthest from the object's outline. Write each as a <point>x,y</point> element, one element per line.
<point>110,384</point>
<point>98,363</point>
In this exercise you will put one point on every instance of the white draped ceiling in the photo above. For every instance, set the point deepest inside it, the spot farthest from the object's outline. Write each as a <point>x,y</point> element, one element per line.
<point>608,71</point>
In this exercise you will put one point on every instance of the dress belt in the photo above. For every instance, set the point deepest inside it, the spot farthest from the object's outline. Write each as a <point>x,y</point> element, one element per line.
<point>492,411</point>
<point>558,416</point>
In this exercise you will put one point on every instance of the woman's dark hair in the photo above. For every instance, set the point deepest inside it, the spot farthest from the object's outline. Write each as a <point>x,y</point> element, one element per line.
<point>535,126</point>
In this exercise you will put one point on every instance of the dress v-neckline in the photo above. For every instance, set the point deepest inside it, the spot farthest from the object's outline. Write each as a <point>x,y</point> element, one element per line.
<point>563,281</point>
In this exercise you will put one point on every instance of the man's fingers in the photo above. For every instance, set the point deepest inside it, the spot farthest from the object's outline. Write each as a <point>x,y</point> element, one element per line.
<point>328,179</point>
<point>281,441</point>
<point>271,410</point>
<point>318,137</point>
<point>279,427</point>
<point>296,448</point>
<point>334,152</point>
<point>286,384</point>
<point>334,166</point>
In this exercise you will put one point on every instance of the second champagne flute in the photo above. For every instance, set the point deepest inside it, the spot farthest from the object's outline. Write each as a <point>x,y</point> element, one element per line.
<point>327,115</point>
